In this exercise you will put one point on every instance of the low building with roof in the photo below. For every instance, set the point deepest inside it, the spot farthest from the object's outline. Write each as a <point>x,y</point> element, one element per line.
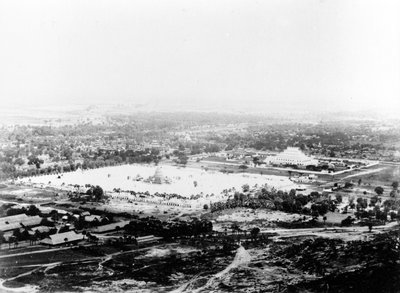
<point>13,219</point>
<point>147,239</point>
<point>19,221</point>
<point>46,211</point>
<point>63,238</point>
<point>92,218</point>
<point>41,229</point>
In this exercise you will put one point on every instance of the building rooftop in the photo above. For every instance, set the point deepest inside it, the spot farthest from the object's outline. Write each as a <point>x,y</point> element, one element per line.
<point>92,218</point>
<point>292,155</point>
<point>62,238</point>
<point>18,221</point>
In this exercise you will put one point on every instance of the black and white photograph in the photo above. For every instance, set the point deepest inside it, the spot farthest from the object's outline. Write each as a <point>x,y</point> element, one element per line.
<point>199,146</point>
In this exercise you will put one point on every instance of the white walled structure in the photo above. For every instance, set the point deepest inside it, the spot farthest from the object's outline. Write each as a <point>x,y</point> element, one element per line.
<point>291,156</point>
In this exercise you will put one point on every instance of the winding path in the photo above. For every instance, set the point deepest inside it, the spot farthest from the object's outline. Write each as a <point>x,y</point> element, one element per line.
<point>242,258</point>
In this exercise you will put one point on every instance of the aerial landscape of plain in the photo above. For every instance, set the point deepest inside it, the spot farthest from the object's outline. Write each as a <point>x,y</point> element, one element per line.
<point>200,146</point>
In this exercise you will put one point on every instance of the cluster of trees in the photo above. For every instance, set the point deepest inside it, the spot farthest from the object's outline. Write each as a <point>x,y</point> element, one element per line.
<point>279,200</point>
<point>96,192</point>
<point>93,193</point>
<point>97,160</point>
<point>149,155</point>
<point>6,170</point>
<point>379,190</point>
<point>198,148</point>
<point>394,192</point>
<point>380,210</point>
<point>33,160</point>
<point>253,203</point>
<point>8,210</point>
<point>176,228</point>
<point>181,157</point>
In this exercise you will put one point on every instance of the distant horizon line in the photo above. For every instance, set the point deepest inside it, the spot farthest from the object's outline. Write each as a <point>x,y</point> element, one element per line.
<point>185,107</point>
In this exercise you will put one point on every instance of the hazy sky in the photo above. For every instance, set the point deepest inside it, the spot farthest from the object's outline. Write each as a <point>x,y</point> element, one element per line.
<point>273,54</point>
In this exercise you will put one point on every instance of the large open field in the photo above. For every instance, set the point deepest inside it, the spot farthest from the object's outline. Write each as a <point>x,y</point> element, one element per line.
<point>27,194</point>
<point>184,181</point>
<point>384,174</point>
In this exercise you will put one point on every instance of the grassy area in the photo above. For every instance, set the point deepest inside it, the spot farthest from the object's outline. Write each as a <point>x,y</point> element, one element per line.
<point>7,251</point>
<point>10,272</point>
<point>335,218</point>
<point>26,193</point>
<point>384,177</point>
<point>41,258</point>
<point>46,257</point>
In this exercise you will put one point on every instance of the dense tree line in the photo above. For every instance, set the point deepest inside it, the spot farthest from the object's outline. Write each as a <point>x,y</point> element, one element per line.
<point>167,230</point>
<point>279,200</point>
<point>98,160</point>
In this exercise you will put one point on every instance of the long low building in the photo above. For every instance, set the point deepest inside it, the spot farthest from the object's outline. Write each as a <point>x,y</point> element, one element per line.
<point>63,238</point>
<point>147,239</point>
<point>19,221</point>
